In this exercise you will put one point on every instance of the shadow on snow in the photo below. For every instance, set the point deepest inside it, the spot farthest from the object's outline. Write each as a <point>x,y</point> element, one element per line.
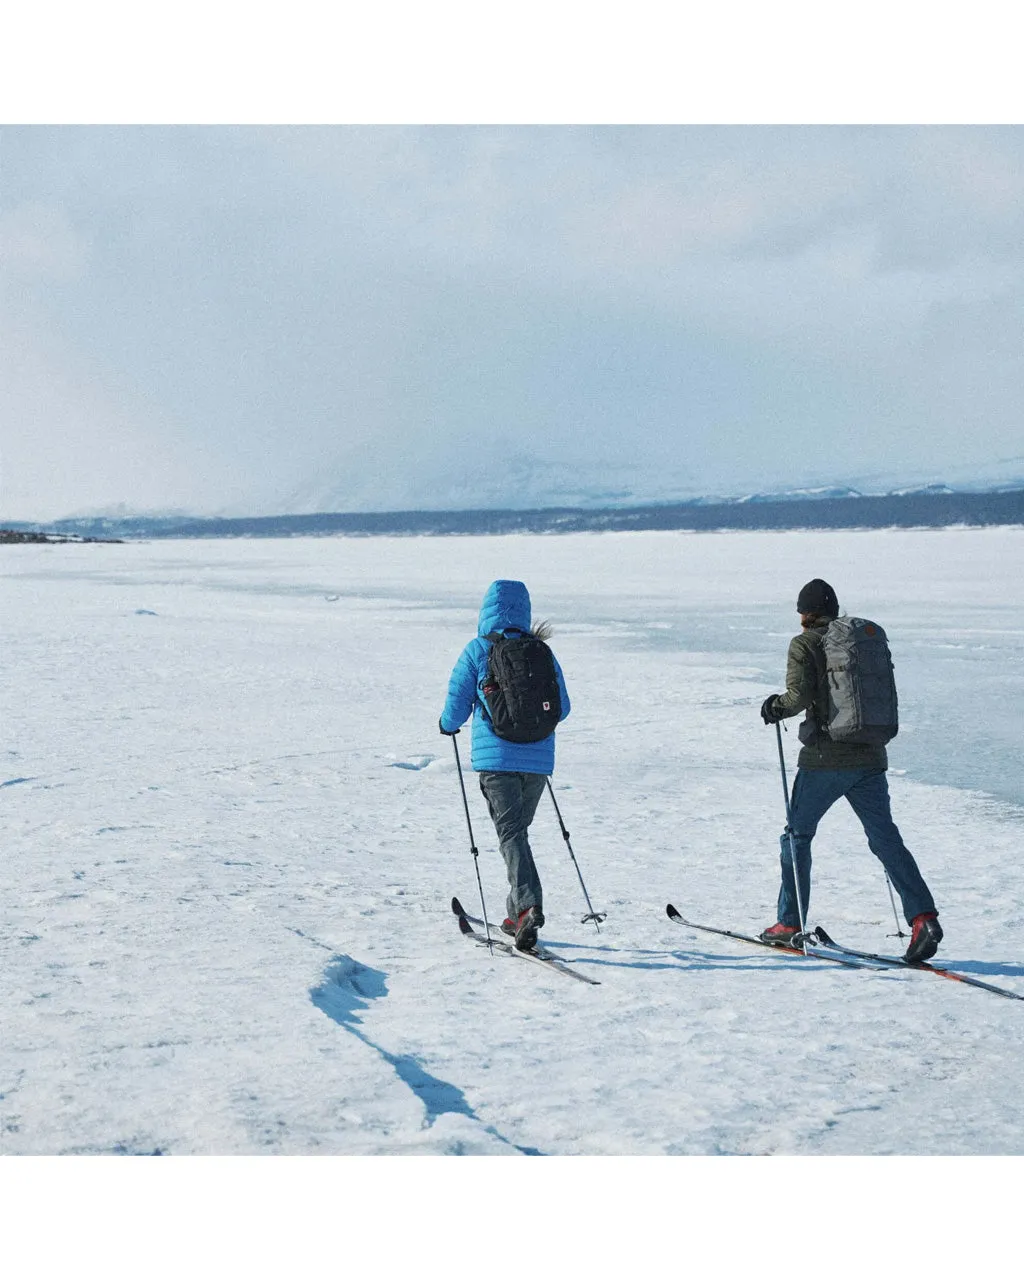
<point>345,992</point>
<point>683,961</point>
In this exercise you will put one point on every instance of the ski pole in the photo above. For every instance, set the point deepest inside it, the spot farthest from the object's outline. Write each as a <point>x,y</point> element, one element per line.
<point>472,845</point>
<point>899,932</point>
<point>792,841</point>
<point>596,916</point>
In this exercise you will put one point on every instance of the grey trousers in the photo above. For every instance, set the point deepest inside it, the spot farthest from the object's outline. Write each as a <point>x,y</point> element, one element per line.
<point>512,799</point>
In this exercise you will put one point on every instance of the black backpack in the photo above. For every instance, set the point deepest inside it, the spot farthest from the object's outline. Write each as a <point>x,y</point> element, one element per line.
<point>521,688</point>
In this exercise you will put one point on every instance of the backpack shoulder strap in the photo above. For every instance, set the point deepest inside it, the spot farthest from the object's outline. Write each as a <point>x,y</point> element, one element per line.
<point>818,710</point>
<point>816,648</point>
<point>504,635</point>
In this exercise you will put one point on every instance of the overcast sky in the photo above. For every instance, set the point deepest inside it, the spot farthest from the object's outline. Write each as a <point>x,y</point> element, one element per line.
<point>247,319</point>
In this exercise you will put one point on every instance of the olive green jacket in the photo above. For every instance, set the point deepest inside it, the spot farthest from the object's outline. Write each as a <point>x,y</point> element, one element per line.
<point>807,690</point>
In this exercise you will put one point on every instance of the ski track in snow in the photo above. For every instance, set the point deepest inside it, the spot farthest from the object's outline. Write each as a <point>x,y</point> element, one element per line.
<point>232,831</point>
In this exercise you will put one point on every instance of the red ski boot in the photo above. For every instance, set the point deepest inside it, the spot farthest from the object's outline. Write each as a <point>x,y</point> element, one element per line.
<point>780,935</point>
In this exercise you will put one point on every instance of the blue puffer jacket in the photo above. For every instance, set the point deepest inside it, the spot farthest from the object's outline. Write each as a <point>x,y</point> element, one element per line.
<point>506,607</point>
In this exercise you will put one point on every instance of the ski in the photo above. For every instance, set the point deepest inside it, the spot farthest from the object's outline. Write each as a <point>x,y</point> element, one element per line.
<point>812,952</point>
<point>537,954</point>
<point>824,943</point>
<point>897,962</point>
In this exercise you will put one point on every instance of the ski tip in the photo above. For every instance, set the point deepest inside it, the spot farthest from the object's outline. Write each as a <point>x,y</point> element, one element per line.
<point>672,913</point>
<point>457,907</point>
<point>464,925</point>
<point>823,937</point>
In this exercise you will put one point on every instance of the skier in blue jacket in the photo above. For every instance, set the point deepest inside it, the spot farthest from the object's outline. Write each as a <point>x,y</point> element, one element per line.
<point>512,774</point>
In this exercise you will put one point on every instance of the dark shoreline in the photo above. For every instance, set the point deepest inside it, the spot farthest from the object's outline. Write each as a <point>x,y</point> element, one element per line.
<point>36,536</point>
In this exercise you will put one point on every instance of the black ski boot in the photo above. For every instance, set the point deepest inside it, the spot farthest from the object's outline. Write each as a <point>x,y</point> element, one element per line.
<point>925,939</point>
<point>530,921</point>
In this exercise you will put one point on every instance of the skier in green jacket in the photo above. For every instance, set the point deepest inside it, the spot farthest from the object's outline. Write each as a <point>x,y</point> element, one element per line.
<point>827,771</point>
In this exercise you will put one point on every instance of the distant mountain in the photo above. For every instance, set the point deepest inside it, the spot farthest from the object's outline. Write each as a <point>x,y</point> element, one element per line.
<point>803,495</point>
<point>998,475</point>
<point>548,491</point>
<point>924,488</point>
<point>521,482</point>
<point>507,481</point>
<point>865,511</point>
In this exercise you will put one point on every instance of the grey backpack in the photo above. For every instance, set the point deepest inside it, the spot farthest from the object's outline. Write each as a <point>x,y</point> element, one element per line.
<point>862,705</point>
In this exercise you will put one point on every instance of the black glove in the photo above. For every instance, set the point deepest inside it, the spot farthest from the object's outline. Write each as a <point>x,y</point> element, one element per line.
<point>769,714</point>
<point>448,733</point>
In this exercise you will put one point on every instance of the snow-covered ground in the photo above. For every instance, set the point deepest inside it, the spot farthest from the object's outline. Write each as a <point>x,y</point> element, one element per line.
<point>231,832</point>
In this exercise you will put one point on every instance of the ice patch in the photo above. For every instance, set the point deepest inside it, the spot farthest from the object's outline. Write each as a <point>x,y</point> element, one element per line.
<point>416,763</point>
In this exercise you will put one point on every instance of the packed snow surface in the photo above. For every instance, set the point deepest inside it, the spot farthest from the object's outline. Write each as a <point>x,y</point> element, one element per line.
<point>231,833</point>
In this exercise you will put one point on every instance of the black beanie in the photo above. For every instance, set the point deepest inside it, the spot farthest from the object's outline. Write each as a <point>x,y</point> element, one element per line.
<point>818,597</point>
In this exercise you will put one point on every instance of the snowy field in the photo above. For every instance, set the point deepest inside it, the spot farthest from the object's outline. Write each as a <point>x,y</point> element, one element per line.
<point>231,832</point>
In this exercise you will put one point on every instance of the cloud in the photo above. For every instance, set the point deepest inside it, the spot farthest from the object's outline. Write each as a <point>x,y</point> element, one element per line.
<point>37,241</point>
<point>222,317</point>
<point>73,441</point>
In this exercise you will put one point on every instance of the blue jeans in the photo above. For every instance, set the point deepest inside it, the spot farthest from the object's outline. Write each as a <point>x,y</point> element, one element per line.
<point>512,799</point>
<point>815,791</point>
